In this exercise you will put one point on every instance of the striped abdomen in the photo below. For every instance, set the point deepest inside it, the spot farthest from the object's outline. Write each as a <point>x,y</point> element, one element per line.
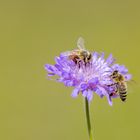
<point>122,87</point>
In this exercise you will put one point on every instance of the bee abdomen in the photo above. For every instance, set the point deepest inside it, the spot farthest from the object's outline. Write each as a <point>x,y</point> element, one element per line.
<point>123,95</point>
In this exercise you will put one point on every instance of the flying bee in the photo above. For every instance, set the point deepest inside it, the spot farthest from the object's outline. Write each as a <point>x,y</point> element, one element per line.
<point>120,85</point>
<point>79,54</point>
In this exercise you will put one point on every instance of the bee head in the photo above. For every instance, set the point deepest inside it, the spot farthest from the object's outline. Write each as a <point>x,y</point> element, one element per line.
<point>115,72</point>
<point>114,75</point>
<point>89,56</point>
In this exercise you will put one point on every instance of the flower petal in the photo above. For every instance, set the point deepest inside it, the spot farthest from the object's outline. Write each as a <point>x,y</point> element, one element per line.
<point>109,100</point>
<point>95,56</point>
<point>84,93</point>
<point>101,91</point>
<point>84,86</point>
<point>93,80</point>
<point>128,77</point>
<point>110,60</point>
<point>50,68</point>
<point>75,92</point>
<point>68,83</point>
<point>89,95</point>
<point>122,69</point>
<point>51,74</point>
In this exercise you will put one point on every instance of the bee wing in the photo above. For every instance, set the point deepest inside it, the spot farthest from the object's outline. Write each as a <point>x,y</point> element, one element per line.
<point>133,82</point>
<point>81,43</point>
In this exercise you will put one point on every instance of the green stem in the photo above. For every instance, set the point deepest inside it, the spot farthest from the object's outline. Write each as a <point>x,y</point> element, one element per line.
<point>88,119</point>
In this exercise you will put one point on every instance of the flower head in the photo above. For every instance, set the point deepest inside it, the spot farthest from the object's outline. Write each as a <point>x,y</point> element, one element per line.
<point>86,78</point>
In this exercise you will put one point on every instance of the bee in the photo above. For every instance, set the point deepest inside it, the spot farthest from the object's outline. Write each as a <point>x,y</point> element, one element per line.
<point>120,85</point>
<point>79,54</point>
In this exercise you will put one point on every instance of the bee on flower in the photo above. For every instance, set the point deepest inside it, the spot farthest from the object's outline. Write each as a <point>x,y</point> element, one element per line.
<point>120,79</point>
<point>80,54</point>
<point>88,73</point>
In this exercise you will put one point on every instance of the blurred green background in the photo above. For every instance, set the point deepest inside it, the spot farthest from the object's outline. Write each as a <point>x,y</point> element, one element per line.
<point>32,33</point>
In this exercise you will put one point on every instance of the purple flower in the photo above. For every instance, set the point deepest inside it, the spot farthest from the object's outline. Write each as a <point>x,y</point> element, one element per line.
<point>89,78</point>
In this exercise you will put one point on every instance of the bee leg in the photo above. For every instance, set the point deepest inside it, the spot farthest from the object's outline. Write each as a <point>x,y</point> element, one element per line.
<point>111,85</point>
<point>78,62</point>
<point>113,93</point>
